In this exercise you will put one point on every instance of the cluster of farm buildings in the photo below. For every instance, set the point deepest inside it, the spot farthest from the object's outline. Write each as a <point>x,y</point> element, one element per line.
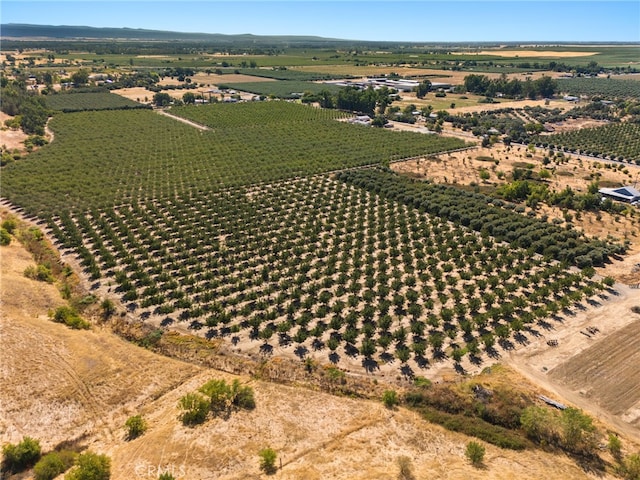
<point>403,85</point>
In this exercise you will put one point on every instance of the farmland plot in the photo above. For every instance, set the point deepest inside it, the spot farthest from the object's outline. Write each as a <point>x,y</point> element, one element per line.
<point>608,372</point>
<point>76,102</point>
<point>105,158</point>
<point>314,264</point>
<point>232,233</point>
<point>619,141</point>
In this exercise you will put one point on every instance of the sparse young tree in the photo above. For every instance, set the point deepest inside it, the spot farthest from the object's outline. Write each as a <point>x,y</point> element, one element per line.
<point>578,431</point>
<point>108,307</point>
<point>475,453</point>
<point>53,464</point>
<point>5,237</point>
<point>195,408</point>
<point>135,426</point>
<point>615,446</point>
<point>268,460</point>
<point>390,398</point>
<point>21,455</point>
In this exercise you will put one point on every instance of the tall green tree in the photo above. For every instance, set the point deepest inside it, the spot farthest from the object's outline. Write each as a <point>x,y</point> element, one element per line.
<point>80,78</point>
<point>423,88</point>
<point>161,99</point>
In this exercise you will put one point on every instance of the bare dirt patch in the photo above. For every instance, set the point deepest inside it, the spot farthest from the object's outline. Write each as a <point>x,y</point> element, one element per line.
<point>137,94</point>
<point>572,124</point>
<point>607,372</point>
<point>213,79</point>
<point>11,139</point>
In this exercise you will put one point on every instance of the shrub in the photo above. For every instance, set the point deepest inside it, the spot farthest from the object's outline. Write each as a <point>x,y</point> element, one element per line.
<point>10,225</point>
<point>53,464</point>
<point>268,460</point>
<point>224,397</point>
<point>20,456</point>
<point>390,398</point>
<point>615,446</point>
<point>166,476</point>
<point>70,317</point>
<point>41,273</point>
<point>135,427</point>
<point>195,408</point>
<point>475,453</point>
<point>108,307</point>
<point>5,237</point>
<point>630,469</point>
<point>474,427</point>
<point>419,381</point>
<point>579,435</point>
<point>90,466</point>
<point>243,396</point>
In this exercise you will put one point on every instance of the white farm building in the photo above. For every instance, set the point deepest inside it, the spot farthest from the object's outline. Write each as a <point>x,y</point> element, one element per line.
<point>622,194</point>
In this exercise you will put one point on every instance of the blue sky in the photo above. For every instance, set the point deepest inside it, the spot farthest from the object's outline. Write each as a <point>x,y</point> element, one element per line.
<point>390,20</point>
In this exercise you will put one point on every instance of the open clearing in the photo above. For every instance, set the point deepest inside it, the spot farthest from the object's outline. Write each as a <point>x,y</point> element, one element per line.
<point>11,139</point>
<point>83,385</point>
<point>608,372</point>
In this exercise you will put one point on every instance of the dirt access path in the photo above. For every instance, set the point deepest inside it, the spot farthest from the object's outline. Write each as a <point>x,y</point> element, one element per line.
<point>199,126</point>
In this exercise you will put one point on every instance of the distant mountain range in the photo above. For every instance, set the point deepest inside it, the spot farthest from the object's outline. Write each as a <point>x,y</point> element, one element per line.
<point>67,32</point>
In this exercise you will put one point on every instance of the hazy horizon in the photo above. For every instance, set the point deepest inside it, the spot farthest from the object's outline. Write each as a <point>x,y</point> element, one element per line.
<point>539,21</point>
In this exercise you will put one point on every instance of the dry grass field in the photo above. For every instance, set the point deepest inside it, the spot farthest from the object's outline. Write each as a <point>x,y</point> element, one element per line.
<point>80,386</point>
<point>10,139</point>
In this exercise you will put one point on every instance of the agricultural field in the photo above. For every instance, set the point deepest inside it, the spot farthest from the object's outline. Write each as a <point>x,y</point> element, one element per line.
<point>76,102</point>
<point>607,88</point>
<point>291,75</point>
<point>281,88</point>
<point>614,383</point>
<point>317,265</point>
<point>223,234</point>
<point>90,382</point>
<point>128,155</point>
<point>620,141</point>
<point>317,261</point>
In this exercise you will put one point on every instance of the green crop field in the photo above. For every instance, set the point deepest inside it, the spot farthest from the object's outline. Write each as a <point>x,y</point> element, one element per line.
<point>241,232</point>
<point>318,264</point>
<point>281,88</point>
<point>607,88</point>
<point>109,157</point>
<point>75,102</point>
<point>286,74</point>
<point>620,141</point>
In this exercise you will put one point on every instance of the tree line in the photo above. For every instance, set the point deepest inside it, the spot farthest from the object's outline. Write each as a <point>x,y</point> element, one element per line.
<point>482,85</point>
<point>488,216</point>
